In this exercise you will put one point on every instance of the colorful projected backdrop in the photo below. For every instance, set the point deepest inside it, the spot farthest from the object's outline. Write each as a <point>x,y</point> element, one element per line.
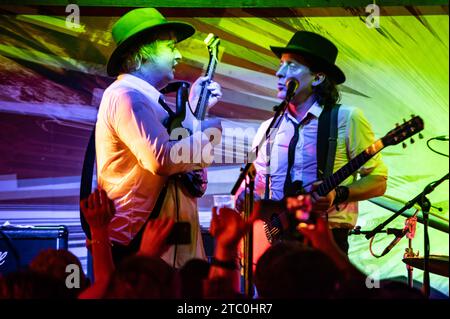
<point>52,78</point>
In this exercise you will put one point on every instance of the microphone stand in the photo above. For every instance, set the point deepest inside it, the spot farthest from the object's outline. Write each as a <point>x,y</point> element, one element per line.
<point>425,206</point>
<point>249,171</point>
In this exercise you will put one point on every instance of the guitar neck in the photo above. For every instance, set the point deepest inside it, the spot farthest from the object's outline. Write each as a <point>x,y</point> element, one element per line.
<point>202,105</point>
<point>348,169</point>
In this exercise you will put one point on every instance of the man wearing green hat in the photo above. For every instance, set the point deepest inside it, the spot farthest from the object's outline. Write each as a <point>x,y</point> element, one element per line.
<point>309,59</point>
<point>133,147</point>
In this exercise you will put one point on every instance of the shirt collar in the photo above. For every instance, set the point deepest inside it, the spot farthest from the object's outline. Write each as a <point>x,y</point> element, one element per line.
<point>141,85</point>
<point>315,110</point>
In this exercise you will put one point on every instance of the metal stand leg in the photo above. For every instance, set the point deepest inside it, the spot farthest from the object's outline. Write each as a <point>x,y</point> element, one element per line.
<point>409,252</point>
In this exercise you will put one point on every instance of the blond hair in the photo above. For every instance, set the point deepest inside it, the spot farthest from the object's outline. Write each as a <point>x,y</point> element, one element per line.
<point>144,51</point>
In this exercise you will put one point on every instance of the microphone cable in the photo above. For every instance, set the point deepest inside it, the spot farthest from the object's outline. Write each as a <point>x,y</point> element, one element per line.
<point>437,138</point>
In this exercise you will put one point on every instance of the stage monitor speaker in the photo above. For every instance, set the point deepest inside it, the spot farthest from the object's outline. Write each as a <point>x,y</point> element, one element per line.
<point>19,245</point>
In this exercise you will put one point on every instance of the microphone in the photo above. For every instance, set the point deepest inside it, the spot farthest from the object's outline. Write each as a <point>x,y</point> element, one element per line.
<point>398,236</point>
<point>441,138</point>
<point>291,86</point>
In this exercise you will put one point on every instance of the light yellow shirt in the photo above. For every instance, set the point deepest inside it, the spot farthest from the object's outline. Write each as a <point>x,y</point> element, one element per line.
<point>134,162</point>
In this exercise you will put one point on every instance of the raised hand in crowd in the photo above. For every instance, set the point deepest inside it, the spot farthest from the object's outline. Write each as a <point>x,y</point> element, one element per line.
<point>286,210</point>
<point>98,211</point>
<point>228,228</point>
<point>316,231</point>
<point>153,242</point>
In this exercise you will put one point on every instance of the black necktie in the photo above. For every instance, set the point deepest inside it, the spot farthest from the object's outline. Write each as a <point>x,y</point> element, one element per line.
<point>288,185</point>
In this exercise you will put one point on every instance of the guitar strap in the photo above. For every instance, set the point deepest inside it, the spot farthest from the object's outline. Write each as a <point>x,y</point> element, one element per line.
<point>166,107</point>
<point>86,179</point>
<point>327,141</point>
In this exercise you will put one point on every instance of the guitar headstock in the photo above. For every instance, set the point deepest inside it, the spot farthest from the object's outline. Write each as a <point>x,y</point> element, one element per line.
<point>404,131</point>
<point>212,42</point>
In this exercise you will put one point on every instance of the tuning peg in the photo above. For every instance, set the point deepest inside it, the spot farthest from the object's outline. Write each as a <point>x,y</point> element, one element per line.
<point>404,121</point>
<point>404,145</point>
<point>412,140</point>
<point>397,125</point>
<point>412,116</point>
<point>420,136</point>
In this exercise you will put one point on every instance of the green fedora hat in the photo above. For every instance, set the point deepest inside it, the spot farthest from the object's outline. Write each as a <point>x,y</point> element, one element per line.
<point>135,26</point>
<point>314,46</point>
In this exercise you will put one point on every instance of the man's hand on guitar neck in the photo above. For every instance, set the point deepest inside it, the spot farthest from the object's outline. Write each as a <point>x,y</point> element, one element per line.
<point>366,187</point>
<point>213,87</point>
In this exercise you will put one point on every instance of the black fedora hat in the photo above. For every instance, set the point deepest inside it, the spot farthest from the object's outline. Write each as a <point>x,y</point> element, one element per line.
<point>135,25</point>
<point>316,47</point>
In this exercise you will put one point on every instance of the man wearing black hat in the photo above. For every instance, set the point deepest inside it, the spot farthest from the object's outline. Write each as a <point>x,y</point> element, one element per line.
<point>310,59</point>
<point>133,147</point>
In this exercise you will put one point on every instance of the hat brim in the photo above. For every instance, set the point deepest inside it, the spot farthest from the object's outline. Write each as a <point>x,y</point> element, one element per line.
<point>182,31</point>
<point>332,70</point>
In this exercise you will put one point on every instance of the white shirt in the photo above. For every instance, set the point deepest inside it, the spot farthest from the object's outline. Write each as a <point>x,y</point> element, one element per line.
<point>354,135</point>
<point>133,158</point>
